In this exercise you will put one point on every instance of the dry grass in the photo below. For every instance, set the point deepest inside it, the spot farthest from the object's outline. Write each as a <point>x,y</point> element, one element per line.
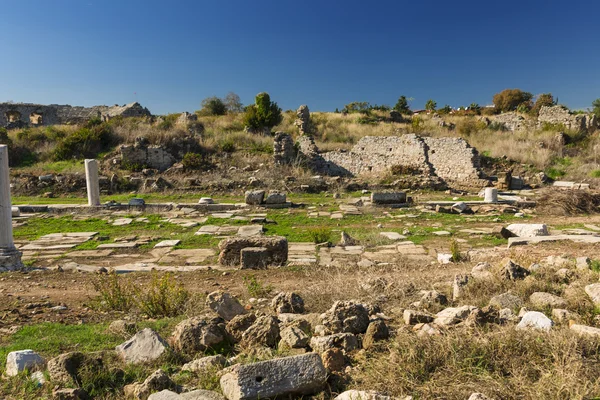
<point>568,202</point>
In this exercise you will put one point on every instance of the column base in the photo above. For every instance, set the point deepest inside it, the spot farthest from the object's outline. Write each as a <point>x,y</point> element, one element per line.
<point>10,260</point>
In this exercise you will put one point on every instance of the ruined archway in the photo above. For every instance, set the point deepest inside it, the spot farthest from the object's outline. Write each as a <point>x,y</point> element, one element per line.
<point>13,116</point>
<point>35,118</point>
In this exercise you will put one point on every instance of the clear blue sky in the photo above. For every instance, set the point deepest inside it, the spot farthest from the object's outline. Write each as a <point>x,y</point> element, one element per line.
<point>321,53</point>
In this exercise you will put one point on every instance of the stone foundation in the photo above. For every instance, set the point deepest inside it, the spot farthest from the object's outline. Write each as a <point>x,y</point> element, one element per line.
<point>560,115</point>
<point>10,260</point>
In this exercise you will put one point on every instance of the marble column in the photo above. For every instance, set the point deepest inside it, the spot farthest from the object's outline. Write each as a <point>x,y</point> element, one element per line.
<point>93,185</point>
<point>490,195</point>
<point>10,257</point>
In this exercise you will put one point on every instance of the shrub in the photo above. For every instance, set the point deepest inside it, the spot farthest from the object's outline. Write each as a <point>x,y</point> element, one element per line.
<point>263,115</point>
<point>595,173</point>
<point>544,99</point>
<point>228,146</point>
<point>195,161</point>
<point>430,105</point>
<point>213,106</point>
<point>417,124</point>
<point>555,173</point>
<point>468,126</point>
<point>510,99</point>
<point>455,251</point>
<point>320,235</point>
<point>115,294</point>
<point>168,121</point>
<point>164,298</point>
<point>402,105</point>
<point>255,287</point>
<point>84,143</point>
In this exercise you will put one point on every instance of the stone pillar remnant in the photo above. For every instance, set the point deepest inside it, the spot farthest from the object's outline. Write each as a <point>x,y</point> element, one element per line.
<point>93,185</point>
<point>10,257</point>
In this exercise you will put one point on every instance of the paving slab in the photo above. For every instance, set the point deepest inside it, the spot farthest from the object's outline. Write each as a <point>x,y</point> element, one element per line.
<point>126,245</point>
<point>392,235</point>
<point>250,230</point>
<point>586,239</point>
<point>122,221</point>
<point>40,247</point>
<point>208,230</point>
<point>91,253</point>
<point>222,215</point>
<point>167,243</point>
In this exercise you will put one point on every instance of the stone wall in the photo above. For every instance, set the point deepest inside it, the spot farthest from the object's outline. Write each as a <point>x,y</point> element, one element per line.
<point>19,115</point>
<point>142,155</point>
<point>560,115</point>
<point>451,159</point>
<point>511,121</point>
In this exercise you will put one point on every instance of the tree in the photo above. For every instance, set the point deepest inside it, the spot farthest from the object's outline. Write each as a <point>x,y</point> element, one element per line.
<point>233,103</point>
<point>544,99</point>
<point>213,106</point>
<point>402,105</point>
<point>511,99</point>
<point>362,107</point>
<point>596,107</point>
<point>430,105</point>
<point>263,114</point>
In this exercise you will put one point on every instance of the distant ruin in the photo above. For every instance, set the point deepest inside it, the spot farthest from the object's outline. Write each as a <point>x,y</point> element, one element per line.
<point>560,115</point>
<point>452,160</point>
<point>21,115</point>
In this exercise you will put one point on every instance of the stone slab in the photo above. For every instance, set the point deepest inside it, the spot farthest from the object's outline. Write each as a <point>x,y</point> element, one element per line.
<point>167,243</point>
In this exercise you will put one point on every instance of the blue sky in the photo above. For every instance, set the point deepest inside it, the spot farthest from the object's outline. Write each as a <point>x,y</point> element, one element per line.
<point>169,55</point>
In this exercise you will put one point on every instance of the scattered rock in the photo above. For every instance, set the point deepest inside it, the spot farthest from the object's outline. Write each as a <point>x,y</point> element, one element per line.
<point>593,291</point>
<point>506,300</point>
<point>276,255</point>
<point>432,297</point>
<point>479,396</point>
<point>528,230</point>
<point>452,315</point>
<point>275,197</point>
<point>238,325</point>
<point>205,364</point>
<point>17,361</point>
<point>460,281</point>
<point>412,317</point>
<point>288,302</point>
<point>289,376</point>
<point>225,305</point>
<point>586,330</point>
<point>347,240</point>
<point>69,394</point>
<point>199,334</point>
<point>254,197</point>
<point>334,360</point>
<point>376,332</point>
<point>158,380</point>
<point>122,328</point>
<point>344,341</point>
<point>144,346</point>
<point>263,332</point>
<point>482,271</point>
<point>198,394</point>
<point>583,263</point>
<point>362,395</point>
<point>346,316</point>
<point>512,271</point>
<point>543,300</point>
<point>535,320</point>
<point>294,337</point>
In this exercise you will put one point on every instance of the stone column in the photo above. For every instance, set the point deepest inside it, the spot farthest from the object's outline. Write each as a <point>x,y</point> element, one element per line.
<point>93,185</point>
<point>10,257</point>
<point>490,195</point>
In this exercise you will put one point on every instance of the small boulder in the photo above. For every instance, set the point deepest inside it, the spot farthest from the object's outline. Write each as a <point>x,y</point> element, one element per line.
<point>294,337</point>
<point>362,395</point>
<point>593,291</point>
<point>347,240</point>
<point>528,230</point>
<point>535,320</point>
<point>275,197</point>
<point>69,394</point>
<point>144,346</point>
<point>239,324</point>
<point>334,360</point>
<point>479,396</point>
<point>584,330</point>
<point>432,298</point>
<point>482,271</point>
<point>452,315</point>
<point>344,341</point>
<point>346,316</point>
<point>157,381</point>
<point>205,364</point>
<point>264,332</point>
<point>288,302</point>
<point>583,263</point>
<point>225,305</point>
<point>254,197</point>
<point>512,271</point>
<point>122,328</point>
<point>412,317</point>
<point>17,361</point>
<point>543,300</point>
<point>199,334</point>
<point>506,300</point>
<point>458,285</point>
<point>376,332</point>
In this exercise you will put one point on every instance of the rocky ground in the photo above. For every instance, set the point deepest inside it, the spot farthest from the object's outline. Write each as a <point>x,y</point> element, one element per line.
<point>406,302</point>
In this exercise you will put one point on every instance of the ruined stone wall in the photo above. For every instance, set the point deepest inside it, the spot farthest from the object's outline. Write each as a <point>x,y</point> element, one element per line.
<point>143,156</point>
<point>377,154</point>
<point>451,159</point>
<point>560,115</point>
<point>454,160</point>
<point>18,115</point>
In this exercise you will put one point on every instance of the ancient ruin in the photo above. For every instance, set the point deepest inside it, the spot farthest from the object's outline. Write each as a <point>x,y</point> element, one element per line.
<point>560,115</point>
<point>303,122</point>
<point>451,159</point>
<point>20,115</point>
<point>10,257</point>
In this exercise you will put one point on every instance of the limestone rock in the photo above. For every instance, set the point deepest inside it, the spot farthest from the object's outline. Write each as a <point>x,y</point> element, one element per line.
<point>452,315</point>
<point>412,317</point>
<point>460,281</point>
<point>289,376</point>
<point>294,337</point>
<point>561,315</point>
<point>344,341</point>
<point>584,330</point>
<point>158,380</point>
<point>535,320</point>
<point>347,240</point>
<point>506,300</point>
<point>583,263</point>
<point>528,230</point>
<point>254,197</point>
<point>593,291</point>
<point>205,364</point>
<point>144,346</point>
<point>543,300</point>
<point>123,328</point>
<point>346,316</point>
<point>264,332</point>
<point>238,325</point>
<point>65,367</point>
<point>198,394</point>
<point>512,271</point>
<point>275,197</point>
<point>224,304</point>
<point>362,395</point>
<point>433,297</point>
<point>485,315</point>
<point>69,394</point>
<point>482,271</point>
<point>479,396</point>
<point>288,302</point>
<point>334,360</point>
<point>17,361</point>
<point>277,249</point>
<point>199,334</point>
<point>376,332</point>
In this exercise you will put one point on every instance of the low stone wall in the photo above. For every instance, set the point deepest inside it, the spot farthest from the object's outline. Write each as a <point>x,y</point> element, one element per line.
<point>146,157</point>
<point>451,159</point>
<point>560,115</point>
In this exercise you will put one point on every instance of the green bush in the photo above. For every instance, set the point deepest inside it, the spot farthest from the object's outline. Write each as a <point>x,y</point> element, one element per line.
<point>195,161</point>
<point>84,143</point>
<point>213,106</point>
<point>555,173</point>
<point>165,297</point>
<point>468,126</point>
<point>595,173</point>
<point>263,115</point>
<point>115,294</point>
<point>320,235</point>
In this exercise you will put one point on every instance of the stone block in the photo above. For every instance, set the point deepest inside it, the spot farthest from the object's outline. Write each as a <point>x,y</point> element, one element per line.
<point>289,376</point>
<point>254,197</point>
<point>275,197</point>
<point>388,198</point>
<point>276,246</point>
<point>253,258</point>
<point>18,361</point>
